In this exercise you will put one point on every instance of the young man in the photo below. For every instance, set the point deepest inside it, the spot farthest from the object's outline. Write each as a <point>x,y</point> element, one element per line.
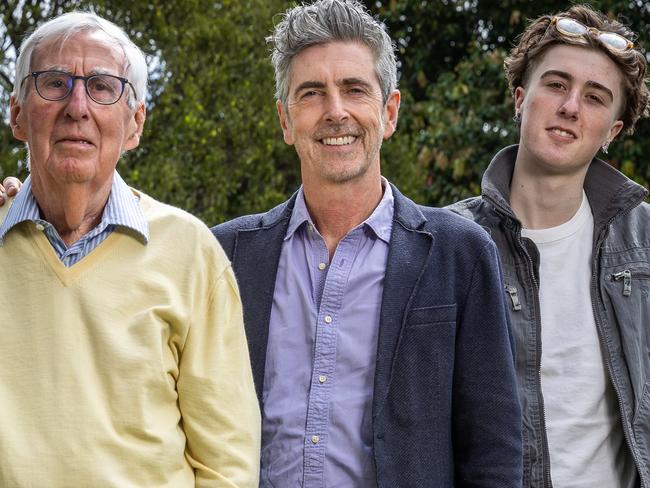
<point>574,239</point>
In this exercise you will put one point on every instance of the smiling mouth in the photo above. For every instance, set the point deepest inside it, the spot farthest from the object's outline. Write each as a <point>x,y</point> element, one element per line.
<point>338,141</point>
<point>562,132</point>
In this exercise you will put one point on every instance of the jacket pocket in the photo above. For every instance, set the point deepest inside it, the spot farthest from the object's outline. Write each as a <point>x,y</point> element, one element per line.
<point>422,382</point>
<point>630,277</point>
<point>440,314</point>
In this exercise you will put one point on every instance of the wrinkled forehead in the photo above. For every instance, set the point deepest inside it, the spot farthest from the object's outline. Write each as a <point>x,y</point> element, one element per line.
<point>89,50</point>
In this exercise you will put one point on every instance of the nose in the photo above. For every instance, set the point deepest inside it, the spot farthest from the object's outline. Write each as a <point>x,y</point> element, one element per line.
<point>336,111</point>
<point>77,102</point>
<point>570,106</point>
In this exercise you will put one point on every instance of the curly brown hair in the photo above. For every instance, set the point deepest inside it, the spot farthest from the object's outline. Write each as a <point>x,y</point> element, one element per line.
<point>538,37</point>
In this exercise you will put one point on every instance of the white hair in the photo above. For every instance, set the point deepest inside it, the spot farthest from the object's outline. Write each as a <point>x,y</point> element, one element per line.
<point>67,25</point>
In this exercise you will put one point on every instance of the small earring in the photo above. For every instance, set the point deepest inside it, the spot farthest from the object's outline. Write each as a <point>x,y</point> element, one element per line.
<point>517,118</point>
<point>605,146</point>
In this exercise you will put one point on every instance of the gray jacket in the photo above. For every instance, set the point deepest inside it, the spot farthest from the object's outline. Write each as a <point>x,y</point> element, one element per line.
<point>620,288</point>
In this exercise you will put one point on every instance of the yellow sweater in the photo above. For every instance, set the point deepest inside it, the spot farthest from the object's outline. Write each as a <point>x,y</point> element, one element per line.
<point>128,369</point>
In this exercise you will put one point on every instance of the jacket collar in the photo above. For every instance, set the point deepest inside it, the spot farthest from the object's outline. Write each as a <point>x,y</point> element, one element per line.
<point>609,191</point>
<point>407,213</point>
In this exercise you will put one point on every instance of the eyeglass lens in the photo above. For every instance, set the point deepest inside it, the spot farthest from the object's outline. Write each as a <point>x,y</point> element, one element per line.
<point>104,89</point>
<point>573,27</point>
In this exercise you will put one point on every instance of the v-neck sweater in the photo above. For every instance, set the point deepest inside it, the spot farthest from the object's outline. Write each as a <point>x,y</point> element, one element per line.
<point>129,368</point>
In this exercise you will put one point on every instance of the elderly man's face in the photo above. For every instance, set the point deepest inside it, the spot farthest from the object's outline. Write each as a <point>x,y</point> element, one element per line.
<point>335,116</point>
<point>76,140</point>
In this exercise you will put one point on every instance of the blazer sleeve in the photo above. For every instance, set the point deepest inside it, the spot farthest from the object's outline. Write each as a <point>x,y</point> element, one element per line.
<point>486,410</point>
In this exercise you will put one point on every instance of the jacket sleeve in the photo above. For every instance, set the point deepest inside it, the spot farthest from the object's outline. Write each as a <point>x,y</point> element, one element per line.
<point>220,413</point>
<point>486,410</point>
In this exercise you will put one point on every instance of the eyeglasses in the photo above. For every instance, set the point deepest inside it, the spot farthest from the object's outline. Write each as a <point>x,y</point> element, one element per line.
<point>573,28</point>
<point>57,85</point>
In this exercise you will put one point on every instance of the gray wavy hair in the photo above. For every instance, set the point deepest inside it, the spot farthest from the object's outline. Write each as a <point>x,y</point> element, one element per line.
<point>327,21</point>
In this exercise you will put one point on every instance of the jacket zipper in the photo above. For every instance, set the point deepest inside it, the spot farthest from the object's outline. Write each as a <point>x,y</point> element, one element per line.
<point>546,457</point>
<point>514,298</point>
<point>625,275</point>
<point>538,323</point>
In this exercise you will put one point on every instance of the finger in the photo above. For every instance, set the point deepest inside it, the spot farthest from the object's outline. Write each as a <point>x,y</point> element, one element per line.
<point>11,185</point>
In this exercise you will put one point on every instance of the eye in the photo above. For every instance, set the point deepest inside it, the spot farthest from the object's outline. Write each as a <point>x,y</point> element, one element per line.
<point>308,94</point>
<point>555,85</point>
<point>103,84</point>
<point>53,81</point>
<point>596,99</point>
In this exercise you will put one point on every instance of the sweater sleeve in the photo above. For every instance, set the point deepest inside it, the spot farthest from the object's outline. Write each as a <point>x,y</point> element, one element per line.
<point>220,413</point>
<point>487,414</point>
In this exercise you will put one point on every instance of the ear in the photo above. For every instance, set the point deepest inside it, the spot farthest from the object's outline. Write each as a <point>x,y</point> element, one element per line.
<point>17,120</point>
<point>615,129</point>
<point>285,123</point>
<point>136,125</point>
<point>520,94</point>
<point>391,111</point>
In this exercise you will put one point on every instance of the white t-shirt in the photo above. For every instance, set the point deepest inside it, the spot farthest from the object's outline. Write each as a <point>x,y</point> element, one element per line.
<point>585,438</point>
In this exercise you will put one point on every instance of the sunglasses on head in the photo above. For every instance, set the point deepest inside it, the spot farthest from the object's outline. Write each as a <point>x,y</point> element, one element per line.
<point>573,28</point>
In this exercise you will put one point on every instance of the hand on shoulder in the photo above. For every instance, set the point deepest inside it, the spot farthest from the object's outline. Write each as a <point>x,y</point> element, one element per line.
<point>9,188</point>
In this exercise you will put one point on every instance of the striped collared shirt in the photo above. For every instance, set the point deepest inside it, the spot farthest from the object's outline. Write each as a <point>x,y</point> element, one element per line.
<point>121,210</point>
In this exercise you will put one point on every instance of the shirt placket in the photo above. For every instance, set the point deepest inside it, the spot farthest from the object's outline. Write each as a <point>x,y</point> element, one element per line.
<point>335,276</point>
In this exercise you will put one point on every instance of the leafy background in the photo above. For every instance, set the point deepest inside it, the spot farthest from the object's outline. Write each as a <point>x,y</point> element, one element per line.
<point>212,144</point>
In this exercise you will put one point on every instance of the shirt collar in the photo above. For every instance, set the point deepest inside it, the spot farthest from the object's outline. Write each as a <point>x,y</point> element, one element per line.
<point>380,221</point>
<point>122,209</point>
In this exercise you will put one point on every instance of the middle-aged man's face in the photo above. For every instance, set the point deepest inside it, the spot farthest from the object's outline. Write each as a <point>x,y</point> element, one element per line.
<point>569,107</point>
<point>335,116</point>
<point>76,140</point>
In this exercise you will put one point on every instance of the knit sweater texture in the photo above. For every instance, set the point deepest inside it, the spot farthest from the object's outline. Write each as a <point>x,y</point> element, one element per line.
<point>128,369</point>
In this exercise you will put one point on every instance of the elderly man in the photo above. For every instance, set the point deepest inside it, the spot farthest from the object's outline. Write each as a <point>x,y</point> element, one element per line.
<point>124,362</point>
<point>574,238</point>
<point>377,328</point>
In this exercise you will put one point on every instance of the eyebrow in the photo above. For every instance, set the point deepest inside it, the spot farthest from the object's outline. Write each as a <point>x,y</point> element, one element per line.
<point>568,77</point>
<point>310,84</point>
<point>66,69</point>
<point>306,85</point>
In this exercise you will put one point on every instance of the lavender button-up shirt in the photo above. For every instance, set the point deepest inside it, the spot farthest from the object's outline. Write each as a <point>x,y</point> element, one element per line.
<point>320,360</point>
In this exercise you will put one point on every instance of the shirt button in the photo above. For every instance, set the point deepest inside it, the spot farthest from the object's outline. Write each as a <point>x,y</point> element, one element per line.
<point>315,439</point>
<point>322,266</point>
<point>328,319</point>
<point>40,227</point>
<point>322,378</point>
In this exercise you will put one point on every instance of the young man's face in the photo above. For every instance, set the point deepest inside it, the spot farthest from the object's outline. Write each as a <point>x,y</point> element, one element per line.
<point>570,106</point>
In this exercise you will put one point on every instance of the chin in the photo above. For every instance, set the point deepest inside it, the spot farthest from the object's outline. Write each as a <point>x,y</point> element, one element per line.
<point>74,171</point>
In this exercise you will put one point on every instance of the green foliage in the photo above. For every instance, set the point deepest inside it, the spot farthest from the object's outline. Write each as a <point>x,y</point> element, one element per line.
<point>212,143</point>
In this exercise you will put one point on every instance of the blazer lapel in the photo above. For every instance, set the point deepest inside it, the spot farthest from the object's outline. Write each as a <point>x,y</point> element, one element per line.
<point>407,257</point>
<point>255,262</point>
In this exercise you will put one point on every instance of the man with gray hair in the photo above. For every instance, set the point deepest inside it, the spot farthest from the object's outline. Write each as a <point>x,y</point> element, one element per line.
<point>123,356</point>
<point>378,331</point>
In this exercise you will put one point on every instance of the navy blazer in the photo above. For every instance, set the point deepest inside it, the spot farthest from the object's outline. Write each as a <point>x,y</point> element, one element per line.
<point>445,408</point>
